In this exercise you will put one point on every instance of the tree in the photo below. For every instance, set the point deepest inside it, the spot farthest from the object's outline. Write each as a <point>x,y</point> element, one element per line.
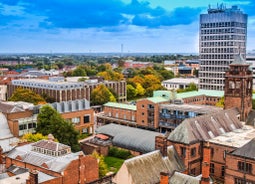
<point>102,165</point>
<point>220,103</point>
<point>101,95</point>
<point>29,137</point>
<point>50,121</point>
<point>140,90</point>
<point>131,92</point>
<point>79,71</point>
<point>26,95</point>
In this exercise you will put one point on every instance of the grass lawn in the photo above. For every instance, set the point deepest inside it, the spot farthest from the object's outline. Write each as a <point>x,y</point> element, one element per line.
<point>113,163</point>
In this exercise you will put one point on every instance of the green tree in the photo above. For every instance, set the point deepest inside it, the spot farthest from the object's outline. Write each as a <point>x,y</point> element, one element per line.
<point>79,71</point>
<point>131,92</point>
<point>101,95</point>
<point>50,121</point>
<point>26,95</point>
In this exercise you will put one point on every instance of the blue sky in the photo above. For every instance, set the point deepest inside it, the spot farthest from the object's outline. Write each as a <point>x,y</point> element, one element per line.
<point>78,26</point>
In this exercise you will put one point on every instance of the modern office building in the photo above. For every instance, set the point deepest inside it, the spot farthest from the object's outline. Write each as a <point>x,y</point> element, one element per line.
<point>223,34</point>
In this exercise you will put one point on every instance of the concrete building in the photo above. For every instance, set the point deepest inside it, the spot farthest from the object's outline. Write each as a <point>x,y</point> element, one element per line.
<point>179,83</point>
<point>60,90</point>
<point>223,34</point>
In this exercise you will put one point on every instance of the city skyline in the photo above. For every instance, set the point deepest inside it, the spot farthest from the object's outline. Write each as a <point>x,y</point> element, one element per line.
<point>88,26</point>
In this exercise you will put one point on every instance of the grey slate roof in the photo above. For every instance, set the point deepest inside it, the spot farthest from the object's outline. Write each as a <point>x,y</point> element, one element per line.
<point>247,150</point>
<point>129,137</point>
<point>205,127</point>
<point>179,178</point>
<point>239,60</point>
<point>146,168</point>
<point>57,164</point>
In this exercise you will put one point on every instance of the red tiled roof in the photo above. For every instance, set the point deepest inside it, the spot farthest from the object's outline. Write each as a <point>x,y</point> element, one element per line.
<point>101,136</point>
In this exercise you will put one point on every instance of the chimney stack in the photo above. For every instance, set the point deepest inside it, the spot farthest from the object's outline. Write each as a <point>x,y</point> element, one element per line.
<point>164,178</point>
<point>33,177</point>
<point>161,144</point>
<point>206,164</point>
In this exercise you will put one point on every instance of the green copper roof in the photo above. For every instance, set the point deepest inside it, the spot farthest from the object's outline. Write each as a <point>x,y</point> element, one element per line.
<point>212,93</point>
<point>157,99</point>
<point>121,105</point>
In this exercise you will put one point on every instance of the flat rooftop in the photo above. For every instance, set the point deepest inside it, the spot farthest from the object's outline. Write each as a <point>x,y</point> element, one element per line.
<point>203,109</point>
<point>182,80</point>
<point>237,138</point>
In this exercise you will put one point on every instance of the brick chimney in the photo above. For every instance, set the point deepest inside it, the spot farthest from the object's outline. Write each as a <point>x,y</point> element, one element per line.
<point>206,164</point>
<point>161,144</point>
<point>1,155</point>
<point>164,178</point>
<point>33,177</point>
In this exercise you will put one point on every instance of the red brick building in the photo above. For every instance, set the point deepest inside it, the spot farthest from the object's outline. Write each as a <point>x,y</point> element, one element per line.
<point>240,165</point>
<point>238,87</point>
<point>144,114</point>
<point>50,162</point>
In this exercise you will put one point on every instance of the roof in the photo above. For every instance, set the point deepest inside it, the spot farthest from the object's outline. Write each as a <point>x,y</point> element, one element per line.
<point>146,168</point>
<point>179,178</point>
<point>157,99</point>
<point>10,107</point>
<point>130,138</point>
<point>201,109</point>
<point>26,155</point>
<point>239,60</point>
<point>22,178</point>
<point>101,136</point>
<point>247,150</point>
<point>212,93</point>
<point>236,138</point>
<point>4,128</point>
<point>121,106</point>
<point>50,145</point>
<point>181,80</point>
<point>205,127</point>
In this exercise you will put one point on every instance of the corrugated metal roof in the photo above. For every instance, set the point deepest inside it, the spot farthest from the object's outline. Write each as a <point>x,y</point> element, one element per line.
<point>146,168</point>
<point>205,127</point>
<point>129,137</point>
<point>121,105</point>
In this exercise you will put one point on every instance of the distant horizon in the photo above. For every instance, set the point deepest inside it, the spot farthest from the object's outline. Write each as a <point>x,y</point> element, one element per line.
<point>89,26</point>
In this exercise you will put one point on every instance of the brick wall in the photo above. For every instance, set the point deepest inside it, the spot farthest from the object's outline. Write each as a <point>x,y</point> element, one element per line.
<point>218,158</point>
<point>233,172</point>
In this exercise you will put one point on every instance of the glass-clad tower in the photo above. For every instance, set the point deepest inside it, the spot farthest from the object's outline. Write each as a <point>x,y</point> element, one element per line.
<point>222,35</point>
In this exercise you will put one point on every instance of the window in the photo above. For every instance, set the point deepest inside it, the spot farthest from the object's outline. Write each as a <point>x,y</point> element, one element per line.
<point>142,113</point>
<point>193,152</point>
<point>183,151</point>
<point>212,152</point>
<point>75,120</point>
<point>245,167</point>
<point>222,171</point>
<point>193,171</point>
<point>86,118</point>
<point>243,181</point>
<point>211,168</point>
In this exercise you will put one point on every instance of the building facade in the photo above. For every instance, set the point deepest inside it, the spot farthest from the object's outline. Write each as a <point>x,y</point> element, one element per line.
<point>223,34</point>
<point>61,90</point>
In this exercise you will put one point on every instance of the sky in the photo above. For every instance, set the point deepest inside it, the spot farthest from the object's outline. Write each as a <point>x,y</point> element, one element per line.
<point>92,26</point>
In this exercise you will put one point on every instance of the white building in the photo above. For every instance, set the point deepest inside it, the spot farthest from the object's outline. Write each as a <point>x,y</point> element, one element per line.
<point>179,83</point>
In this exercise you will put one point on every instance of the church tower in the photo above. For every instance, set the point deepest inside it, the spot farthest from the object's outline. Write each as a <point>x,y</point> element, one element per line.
<point>238,87</point>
